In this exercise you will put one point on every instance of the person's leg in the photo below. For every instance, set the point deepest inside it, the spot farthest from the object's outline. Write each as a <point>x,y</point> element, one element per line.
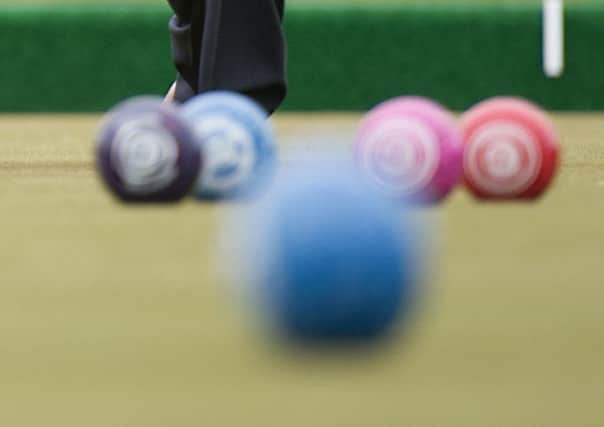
<point>245,50</point>
<point>235,45</point>
<point>185,30</point>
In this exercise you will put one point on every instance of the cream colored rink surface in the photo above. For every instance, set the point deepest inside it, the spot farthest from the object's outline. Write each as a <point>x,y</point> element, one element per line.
<point>118,317</point>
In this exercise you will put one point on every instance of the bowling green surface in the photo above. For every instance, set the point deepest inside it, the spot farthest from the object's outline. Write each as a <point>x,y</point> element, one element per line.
<point>115,316</point>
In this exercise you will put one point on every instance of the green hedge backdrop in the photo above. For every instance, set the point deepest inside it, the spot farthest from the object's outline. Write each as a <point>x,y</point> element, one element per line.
<point>340,57</point>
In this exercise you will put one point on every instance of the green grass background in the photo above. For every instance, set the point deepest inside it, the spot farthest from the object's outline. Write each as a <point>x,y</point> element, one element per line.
<point>394,56</point>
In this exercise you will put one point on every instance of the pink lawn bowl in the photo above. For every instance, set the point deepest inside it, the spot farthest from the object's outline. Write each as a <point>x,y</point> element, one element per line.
<point>411,149</point>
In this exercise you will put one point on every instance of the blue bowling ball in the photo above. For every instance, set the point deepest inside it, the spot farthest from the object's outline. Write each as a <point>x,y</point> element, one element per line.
<point>237,143</point>
<point>332,260</point>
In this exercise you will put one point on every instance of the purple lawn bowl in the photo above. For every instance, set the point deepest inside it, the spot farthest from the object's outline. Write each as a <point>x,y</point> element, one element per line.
<point>146,152</point>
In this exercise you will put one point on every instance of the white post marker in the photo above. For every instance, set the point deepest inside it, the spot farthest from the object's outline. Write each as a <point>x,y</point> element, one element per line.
<point>553,38</point>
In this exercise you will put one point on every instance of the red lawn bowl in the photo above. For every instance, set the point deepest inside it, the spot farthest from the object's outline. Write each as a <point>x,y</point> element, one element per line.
<point>511,150</point>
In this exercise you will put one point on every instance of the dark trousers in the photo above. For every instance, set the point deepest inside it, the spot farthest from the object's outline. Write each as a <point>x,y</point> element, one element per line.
<point>235,45</point>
